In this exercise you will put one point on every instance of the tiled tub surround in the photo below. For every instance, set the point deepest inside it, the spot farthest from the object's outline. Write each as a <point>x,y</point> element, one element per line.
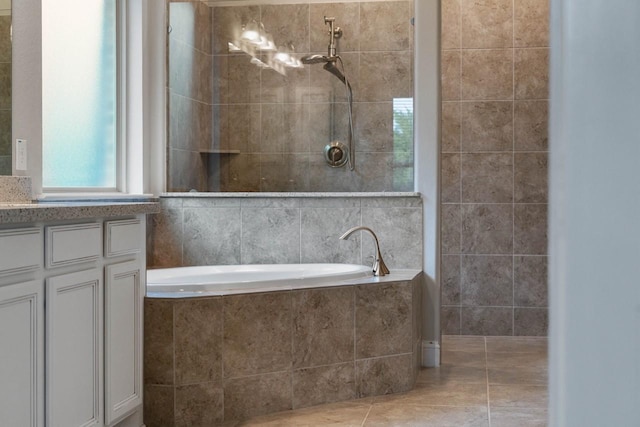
<point>281,228</point>
<point>274,126</point>
<point>217,359</point>
<point>494,166</point>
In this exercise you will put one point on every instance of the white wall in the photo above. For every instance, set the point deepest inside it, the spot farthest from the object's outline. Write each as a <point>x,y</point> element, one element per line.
<point>595,214</point>
<point>427,149</point>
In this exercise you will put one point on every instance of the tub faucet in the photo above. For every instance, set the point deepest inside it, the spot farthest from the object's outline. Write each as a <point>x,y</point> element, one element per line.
<point>379,267</point>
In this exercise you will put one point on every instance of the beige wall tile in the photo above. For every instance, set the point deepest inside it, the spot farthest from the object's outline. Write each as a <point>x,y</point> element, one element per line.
<point>450,228</point>
<point>384,375</point>
<point>450,273</point>
<point>487,23</point>
<point>531,73</point>
<point>158,342</point>
<point>530,281</point>
<point>385,76</point>
<point>450,127</point>
<point>531,23</point>
<point>227,24</point>
<point>256,395</point>
<point>530,229</point>
<point>531,125</point>
<point>487,126</point>
<point>198,340</point>
<point>531,183</point>
<point>383,319</point>
<point>487,321</point>
<point>159,406</point>
<point>450,78</point>
<point>347,18</point>
<point>487,229</point>
<point>486,280</point>
<point>199,405</point>
<point>531,321</point>
<point>450,36</point>
<point>450,320</point>
<point>487,74</point>
<point>487,178</point>
<point>284,172</point>
<point>321,385</point>
<point>385,25</point>
<point>257,334</point>
<point>240,172</point>
<point>288,23</point>
<point>323,326</point>
<point>373,126</point>
<point>164,242</point>
<point>450,178</point>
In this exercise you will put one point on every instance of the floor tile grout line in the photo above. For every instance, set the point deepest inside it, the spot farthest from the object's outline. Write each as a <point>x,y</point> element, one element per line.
<point>367,414</point>
<point>486,372</point>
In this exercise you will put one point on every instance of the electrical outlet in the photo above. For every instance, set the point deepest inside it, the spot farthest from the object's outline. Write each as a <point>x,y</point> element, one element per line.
<point>21,154</point>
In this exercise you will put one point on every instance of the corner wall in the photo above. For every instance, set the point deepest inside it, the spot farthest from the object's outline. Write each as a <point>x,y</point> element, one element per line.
<point>494,167</point>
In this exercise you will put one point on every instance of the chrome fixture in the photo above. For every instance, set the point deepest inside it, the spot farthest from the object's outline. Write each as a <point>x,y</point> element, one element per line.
<point>379,267</point>
<point>336,154</point>
<point>330,62</point>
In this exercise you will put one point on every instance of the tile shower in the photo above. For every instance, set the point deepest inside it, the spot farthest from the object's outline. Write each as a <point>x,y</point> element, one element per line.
<point>494,166</point>
<point>5,93</point>
<point>235,127</point>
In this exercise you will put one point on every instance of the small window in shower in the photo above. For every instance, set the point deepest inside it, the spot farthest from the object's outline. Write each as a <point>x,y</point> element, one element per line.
<point>403,144</point>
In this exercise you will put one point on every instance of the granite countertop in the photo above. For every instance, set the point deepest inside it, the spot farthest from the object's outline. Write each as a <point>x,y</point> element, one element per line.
<point>11,213</point>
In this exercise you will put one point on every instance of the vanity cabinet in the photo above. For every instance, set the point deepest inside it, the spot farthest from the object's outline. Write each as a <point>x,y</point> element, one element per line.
<point>22,354</point>
<point>71,322</point>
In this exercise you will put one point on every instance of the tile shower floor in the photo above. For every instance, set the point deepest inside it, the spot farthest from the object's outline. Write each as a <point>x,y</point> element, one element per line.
<point>483,381</point>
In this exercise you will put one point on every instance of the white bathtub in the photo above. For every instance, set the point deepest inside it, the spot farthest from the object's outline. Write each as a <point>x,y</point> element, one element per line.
<point>183,282</point>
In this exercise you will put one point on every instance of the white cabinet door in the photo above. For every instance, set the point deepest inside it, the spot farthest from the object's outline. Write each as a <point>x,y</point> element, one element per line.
<point>124,293</point>
<point>22,354</point>
<point>74,354</point>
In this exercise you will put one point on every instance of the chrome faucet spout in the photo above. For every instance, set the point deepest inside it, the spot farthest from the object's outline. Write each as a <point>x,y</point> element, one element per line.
<point>379,267</point>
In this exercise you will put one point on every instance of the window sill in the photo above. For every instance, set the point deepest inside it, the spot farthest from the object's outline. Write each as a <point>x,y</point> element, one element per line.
<point>84,197</point>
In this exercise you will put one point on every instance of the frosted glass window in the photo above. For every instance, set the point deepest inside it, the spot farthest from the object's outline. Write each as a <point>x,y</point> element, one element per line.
<point>79,99</point>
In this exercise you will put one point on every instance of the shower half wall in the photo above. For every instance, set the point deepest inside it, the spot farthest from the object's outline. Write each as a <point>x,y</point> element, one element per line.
<point>235,127</point>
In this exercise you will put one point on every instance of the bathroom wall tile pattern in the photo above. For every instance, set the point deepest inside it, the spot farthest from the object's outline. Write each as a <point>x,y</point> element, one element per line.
<point>383,319</point>
<point>219,360</point>
<point>324,384</point>
<point>257,334</point>
<point>494,166</point>
<point>377,49</point>
<point>285,230</point>
<point>323,327</point>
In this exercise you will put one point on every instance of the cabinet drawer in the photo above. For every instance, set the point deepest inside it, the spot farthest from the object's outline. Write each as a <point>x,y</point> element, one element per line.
<point>122,237</point>
<point>73,244</point>
<point>20,250</point>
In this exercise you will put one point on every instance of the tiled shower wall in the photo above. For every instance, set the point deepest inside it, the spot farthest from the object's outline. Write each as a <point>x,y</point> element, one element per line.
<point>280,230</point>
<point>5,92</point>
<point>494,166</point>
<point>261,131</point>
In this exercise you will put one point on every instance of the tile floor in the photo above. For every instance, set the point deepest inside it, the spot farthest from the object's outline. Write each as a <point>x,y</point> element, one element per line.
<point>483,381</point>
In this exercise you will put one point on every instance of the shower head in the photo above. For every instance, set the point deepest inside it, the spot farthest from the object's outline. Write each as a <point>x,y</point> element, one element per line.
<point>317,59</point>
<point>333,69</point>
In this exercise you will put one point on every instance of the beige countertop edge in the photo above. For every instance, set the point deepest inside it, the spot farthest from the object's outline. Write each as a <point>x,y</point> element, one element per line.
<point>44,212</point>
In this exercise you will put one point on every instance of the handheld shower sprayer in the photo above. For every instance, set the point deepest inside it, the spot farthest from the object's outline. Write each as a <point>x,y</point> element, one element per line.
<point>330,62</point>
